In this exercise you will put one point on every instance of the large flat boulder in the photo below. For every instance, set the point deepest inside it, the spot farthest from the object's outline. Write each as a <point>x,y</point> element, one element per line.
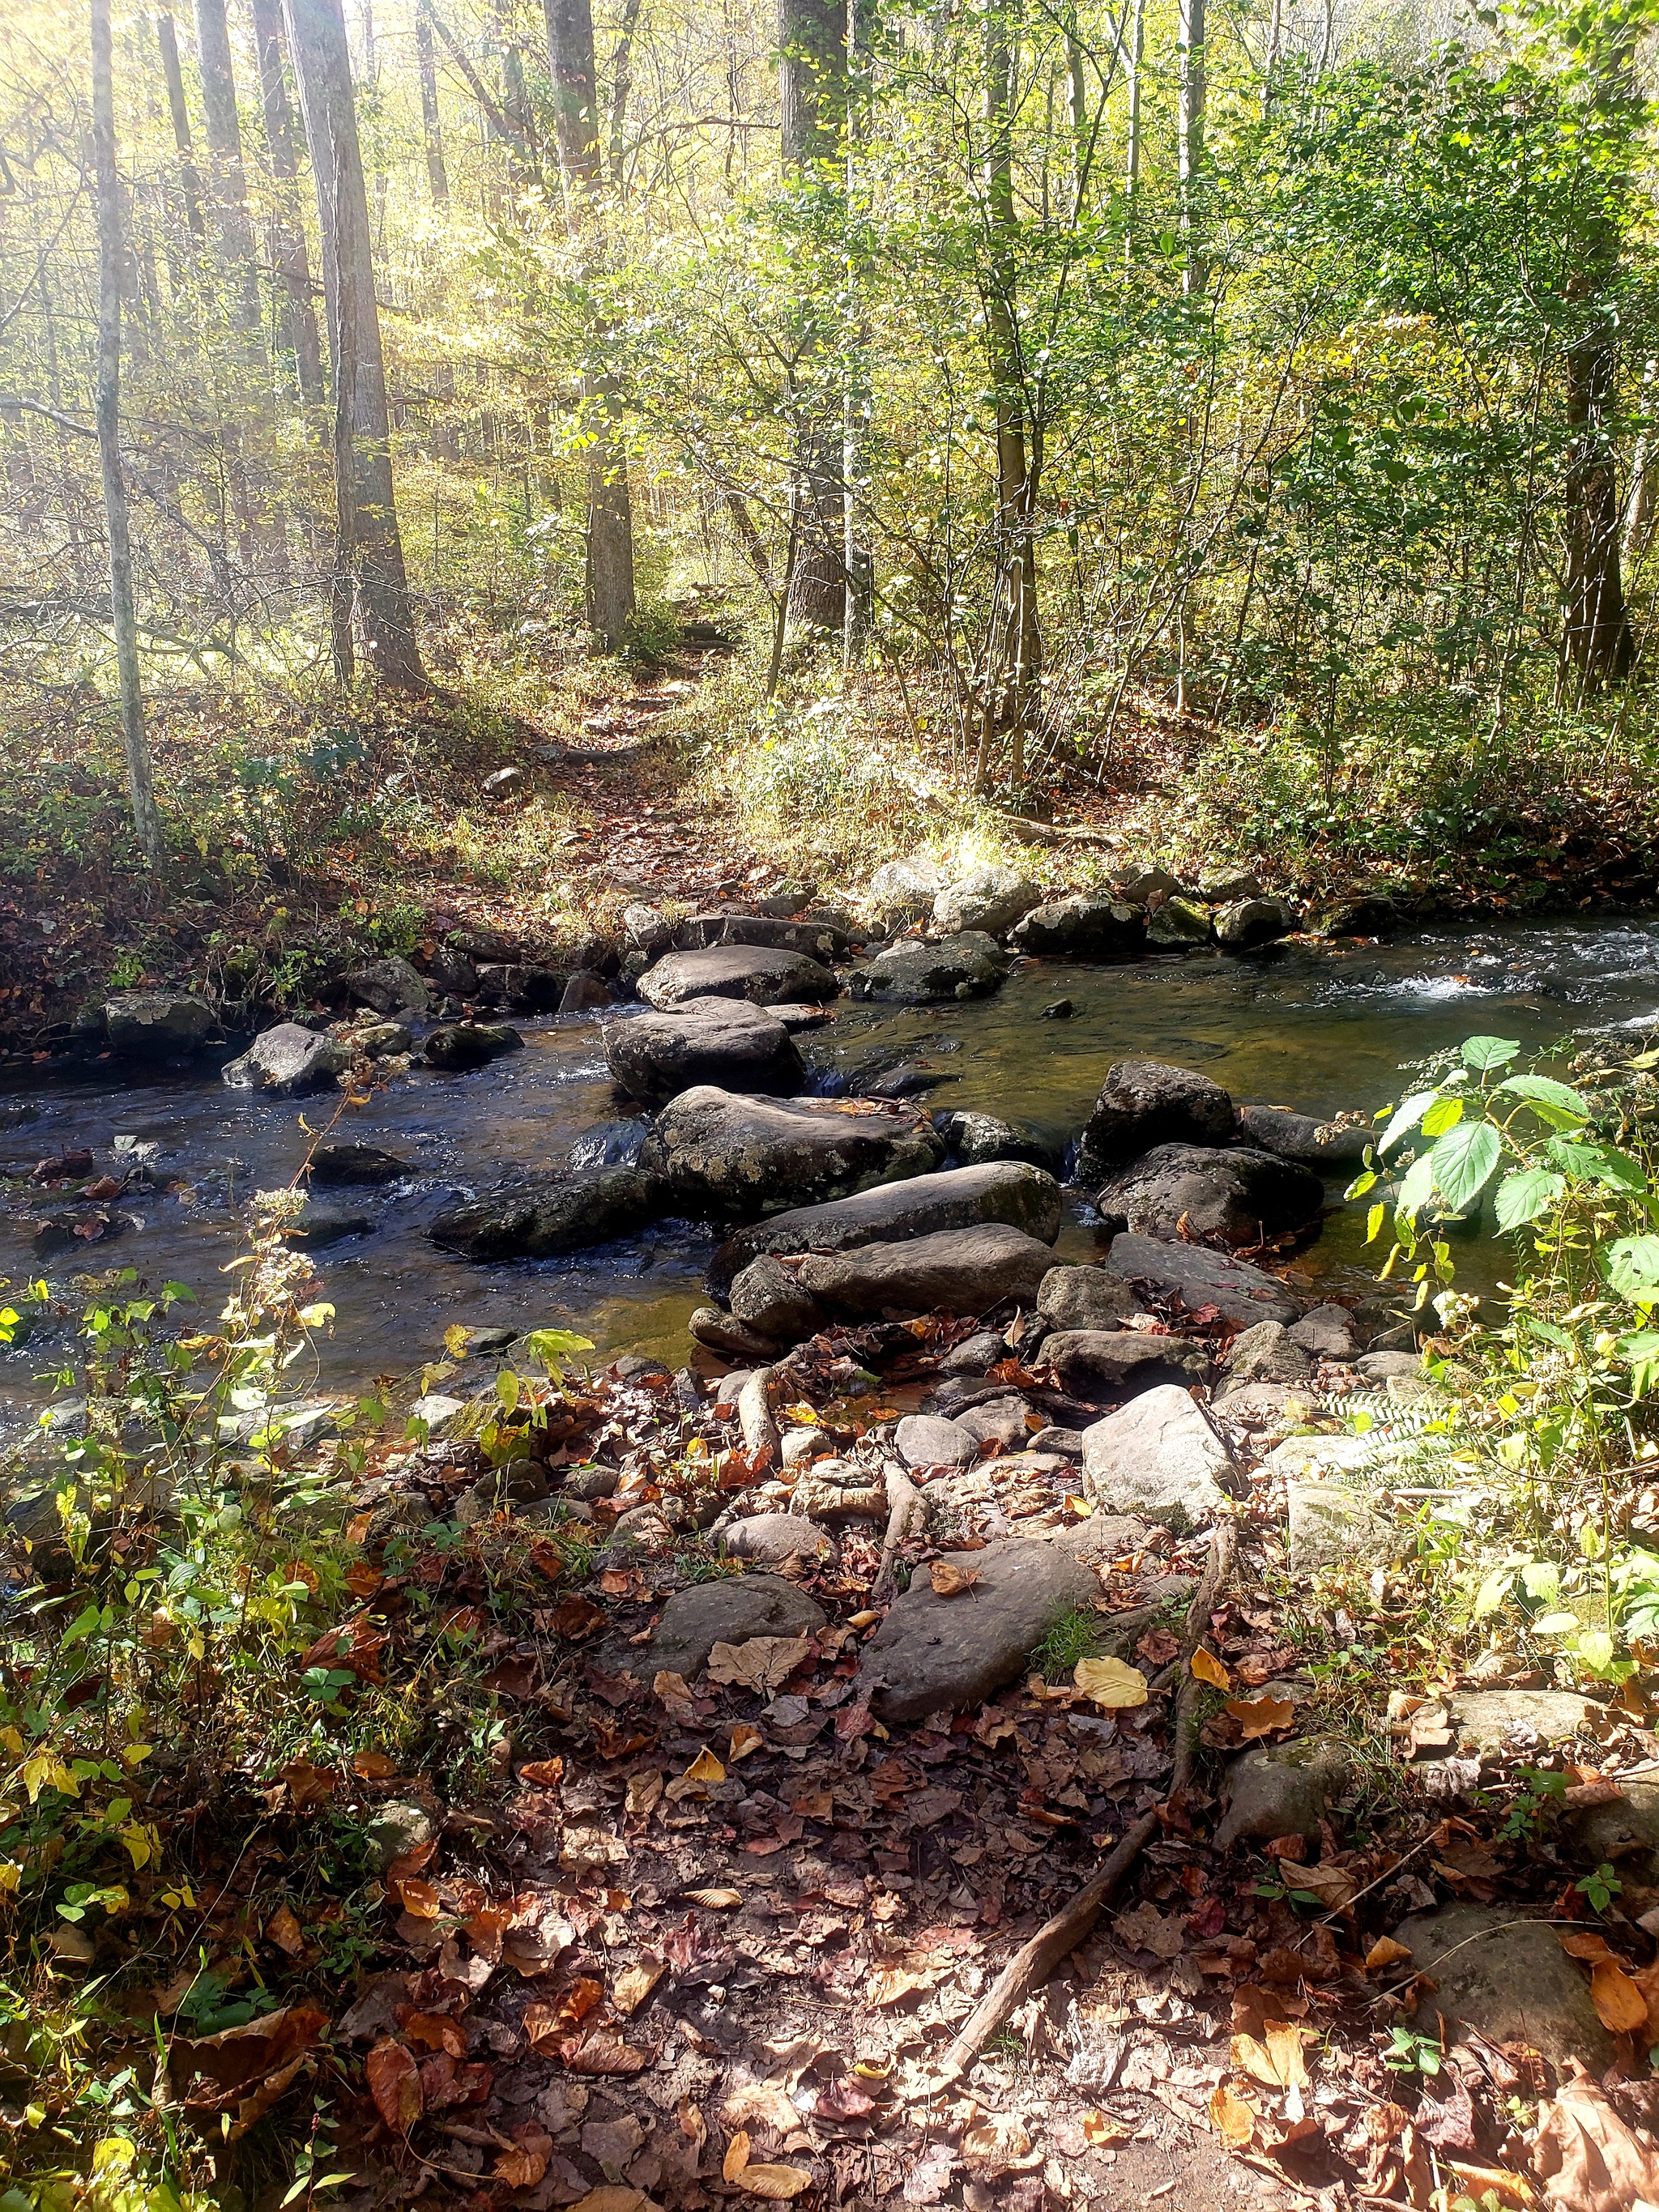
<point>1144,1103</point>
<point>1085,1297</point>
<point>727,1042</point>
<point>1021,1196</point>
<point>1116,1362</point>
<point>1300,1137</point>
<point>390,986</point>
<point>759,973</point>
<point>537,1218</point>
<point>959,1271</point>
<point>1244,922</point>
<point>1214,1196</point>
<point>812,940</point>
<point>1090,926</point>
<point>1198,1277</point>
<point>723,1156</point>
<point>1158,1457</point>
<point>287,1061</point>
<point>913,974</point>
<point>991,899</point>
<point>729,1611</point>
<point>156,1024</point>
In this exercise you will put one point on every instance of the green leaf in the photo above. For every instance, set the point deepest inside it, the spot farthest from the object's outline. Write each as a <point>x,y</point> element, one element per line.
<point>1361,1184</point>
<point>1602,1164</point>
<point>1417,1187</point>
<point>1642,1351</point>
<point>1481,1053</point>
<point>1552,1102</point>
<point>1523,1197</point>
<point>1373,1223</point>
<point>506,1389</point>
<point>1407,1115</point>
<point>1493,1591</point>
<point>553,1346</point>
<point>1465,1159</point>
<point>1541,1579</point>
<point>1630,1268</point>
<point>1444,1114</point>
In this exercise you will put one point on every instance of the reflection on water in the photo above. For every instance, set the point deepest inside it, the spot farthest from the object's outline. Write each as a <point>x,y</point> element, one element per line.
<point>1318,1028</point>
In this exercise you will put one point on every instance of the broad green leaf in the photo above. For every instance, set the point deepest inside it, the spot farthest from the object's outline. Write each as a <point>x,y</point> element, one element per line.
<point>553,1346</point>
<point>1602,1164</point>
<point>1444,1114</point>
<point>1523,1197</point>
<point>1552,1102</point>
<point>1541,1579</point>
<point>506,1389</point>
<point>1493,1591</point>
<point>1555,1624</point>
<point>1417,1187</point>
<point>1484,1052</point>
<point>1361,1184</point>
<point>1465,1159</point>
<point>1407,1115</point>
<point>1630,1268</point>
<point>1596,1649</point>
<point>1373,1223</point>
<point>1642,1351</point>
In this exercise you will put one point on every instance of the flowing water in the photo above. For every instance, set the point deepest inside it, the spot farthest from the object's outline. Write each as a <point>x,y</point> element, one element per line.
<point>1317,1029</point>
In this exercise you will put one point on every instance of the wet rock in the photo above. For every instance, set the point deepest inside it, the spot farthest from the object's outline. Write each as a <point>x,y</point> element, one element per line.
<point>356,1164</point>
<point>736,971</point>
<point>1090,926</point>
<point>915,973</point>
<point>1059,1010</point>
<point>904,1079</point>
<point>772,1538</point>
<point>395,1829</point>
<point>1158,1457</point>
<point>922,1440</point>
<point>319,1226</point>
<point>807,940</point>
<point>610,1144</point>
<point>979,1138</point>
<point>1247,921</point>
<point>1330,1525</point>
<point>1373,915</point>
<point>389,986</point>
<point>62,1232</point>
<point>1003,1421</point>
<point>461,1046</point>
<point>955,1271</point>
<point>560,1212</point>
<point>991,899</point>
<point>1085,1298</point>
<point>287,1061</point>
<point>1235,1197</point>
<point>648,929</point>
<point>1283,1790</point>
<point>1326,1332</point>
<point>975,1354</point>
<point>586,1485</point>
<point>156,1024</point>
<point>718,1332</point>
<point>731,1611</point>
<point>725,1041</point>
<point>1115,1362</point>
<point>1489,1721</point>
<point>451,971</point>
<point>1198,1278</point>
<point>1179,923</point>
<point>1300,1137</point>
<point>372,1040</point>
<point>798,1020</point>
<point>1507,1978</point>
<point>527,990</point>
<point>1266,1352</point>
<point>1020,1196</point>
<point>767,1296</point>
<point>583,993</point>
<point>723,1155</point>
<point>1144,1103</point>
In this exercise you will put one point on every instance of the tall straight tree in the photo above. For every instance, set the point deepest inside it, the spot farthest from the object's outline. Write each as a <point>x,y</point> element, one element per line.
<point>813,91</point>
<point>166,41</point>
<point>123,621</point>
<point>610,507</point>
<point>299,314</point>
<point>229,188</point>
<point>431,129</point>
<point>370,552</point>
<point>1191,99</point>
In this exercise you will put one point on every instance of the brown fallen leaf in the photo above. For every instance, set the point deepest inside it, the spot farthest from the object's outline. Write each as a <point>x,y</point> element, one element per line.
<point>737,2157</point>
<point>949,1581</point>
<point>436,2031</point>
<point>765,2101</point>
<point>635,1982</point>
<point>1234,2120</point>
<point>523,2165</point>
<point>394,2082</point>
<point>1144,1928</point>
<point>762,1664</point>
<point>1110,1683</point>
<point>543,1773</point>
<point>1620,2005</point>
<point>599,2052</point>
<point>372,1766</point>
<point>1207,1668</point>
<point>1587,2157</point>
<point>1385,1952</point>
<point>714,1900</point>
<point>1276,2060</point>
<point>705,1767</point>
<point>1260,1717</point>
<point>1334,1885</point>
<point>576,1618</point>
<point>308,1785</point>
<point>285,1932</point>
<point>1100,2129</point>
<point>743,1740</point>
<point>420,1901</point>
<point>889,1986</point>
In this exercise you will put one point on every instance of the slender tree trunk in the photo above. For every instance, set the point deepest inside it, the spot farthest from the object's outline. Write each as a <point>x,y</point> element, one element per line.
<point>812,89</point>
<point>622,85</point>
<point>188,178</point>
<point>369,546</point>
<point>1270,64</point>
<point>1598,636</point>
<point>229,186</point>
<point>1131,133</point>
<point>610,507</point>
<point>1639,500</point>
<point>436,176</point>
<point>1012,693</point>
<point>858,562</point>
<point>299,326</point>
<point>123,617</point>
<point>1191,98</point>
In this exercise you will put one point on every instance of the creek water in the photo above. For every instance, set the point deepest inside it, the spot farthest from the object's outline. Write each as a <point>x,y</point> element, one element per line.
<point>1317,1028</point>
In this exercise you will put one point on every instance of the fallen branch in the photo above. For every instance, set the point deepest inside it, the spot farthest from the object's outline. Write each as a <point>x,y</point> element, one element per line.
<point>903,1504</point>
<point>1035,1961</point>
<point>760,1430</point>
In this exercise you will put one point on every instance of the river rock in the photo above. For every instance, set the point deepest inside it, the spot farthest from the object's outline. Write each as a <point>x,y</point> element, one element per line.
<point>610,1144</point>
<point>1489,1721</point>
<point>1372,914</point>
<point>754,972</point>
<point>1144,1103</point>
<point>395,1829</point>
<point>1179,923</point>
<point>1331,1525</point>
<point>1507,1978</point>
<point>1388,1367</point>
<point>1020,1196</point>
<point>389,986</point>
<point>287,1061</point>
<point>1090,926</point>
<point>1085,1298</point>
<point>924,1440</point>
<point>768,1296</point>
<point>807,940</point>
<point>729,1611</point>
<point>904,891</point>
<point>1242,1293</point>
<point>991,899</point>
<point>370,1038</point>
<point>1112,1363</point>
<point>726,1042</point>
<point>356,1164</point>
<point>1247,921</point>
<point>459,1047</point>
<point>772,1538</point>
<point>560,1212</point>
<point>526,988</point>
<point>1300,1137</point>
<point>1235,1197</point>
<point>975,1353</point>
<point>955,1271</point>
<point>584,993</point>
<point>647,928</point>
<point>1326,1332</point>
<point>1158,1457</point>
<point>979,1138</point>
<point>723,1155</point>
<point>154,1024</point>
<point>319,1226</point>
<point>1266,1352</point>
<point>734,1339</point>
<point>1003,1421</point>
<point>450,971</point>
<point>1283,1790</point>
<point>915,973</point>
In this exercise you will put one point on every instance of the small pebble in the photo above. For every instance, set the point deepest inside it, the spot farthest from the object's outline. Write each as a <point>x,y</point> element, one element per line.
<point>1060,1011</point>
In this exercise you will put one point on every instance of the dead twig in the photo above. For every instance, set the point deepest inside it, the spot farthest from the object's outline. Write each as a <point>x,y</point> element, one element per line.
<point>760,1430</point>
<point>903,1504</point>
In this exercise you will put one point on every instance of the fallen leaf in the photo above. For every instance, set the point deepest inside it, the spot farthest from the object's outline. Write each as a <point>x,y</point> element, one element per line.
<point>743,1740</point>
<point>614,2198</point>
<point>308,1785</point>
<point>372,1766</point>
<point>1233,2119</point>
<point>705,1767</point>
<point>765,2101</point>
<point>716,1900</point>
<point>598,2053</point>
<point>949,1581</point>
<point>1259,1716</point>
<point>1208,1669</point>
<point>1385,1952</point>
<point>644,1792</point>
<point>577,1618</point>
<point>1334,1885</point>
<point>523,2165</point>
<point>1588,2158</point>
<point>1100,2129</point>
<point>762,1664</point>
<point>1110,1683</point>
<point>436,2031</point>
<point>635,1982</point>
<point>1620,2005</point>
<point>543,1773</point>
<point>1587,1945</point>
<point>1144,1928</point>
<point>1158,1647</point>
<point>419,1899</point>
<point>737,2157</point>
<point>889,1985</point>
<point>1276,2061</point>
<point>394,2082</point>
<point>285,1932</point>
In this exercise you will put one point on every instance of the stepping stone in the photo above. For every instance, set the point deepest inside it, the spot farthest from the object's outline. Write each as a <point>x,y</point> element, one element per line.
<point>654,1057</point>
<point>723,1155</point>
<point>729,1611</point>
<point>1242,1293</point>
<point>773,1538</point>
<point>1160,1457</point>
<point>756,972</point>
<point>957,1271</point>
<point>1506,1978</point>
<point>1110,1362</point>
<point>925,1441</point>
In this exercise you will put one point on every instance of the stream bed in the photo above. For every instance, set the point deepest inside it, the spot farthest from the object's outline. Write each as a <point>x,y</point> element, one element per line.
<point>1318,1028</point>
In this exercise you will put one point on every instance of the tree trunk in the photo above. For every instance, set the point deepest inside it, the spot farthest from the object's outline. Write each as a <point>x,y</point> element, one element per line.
<point>436,176</point>
<point>167,42</point>
<point>812,87</point>
<point>622,85</point>
<point>1598,636</point>
<point>123,620</point>
<point>1190,101</point>
<point>299,313</point>
<point>1011,695</point>
<point>1131,132</point>
<point>229,186</point>
<point>610,507</point>
<point>370,547</point>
